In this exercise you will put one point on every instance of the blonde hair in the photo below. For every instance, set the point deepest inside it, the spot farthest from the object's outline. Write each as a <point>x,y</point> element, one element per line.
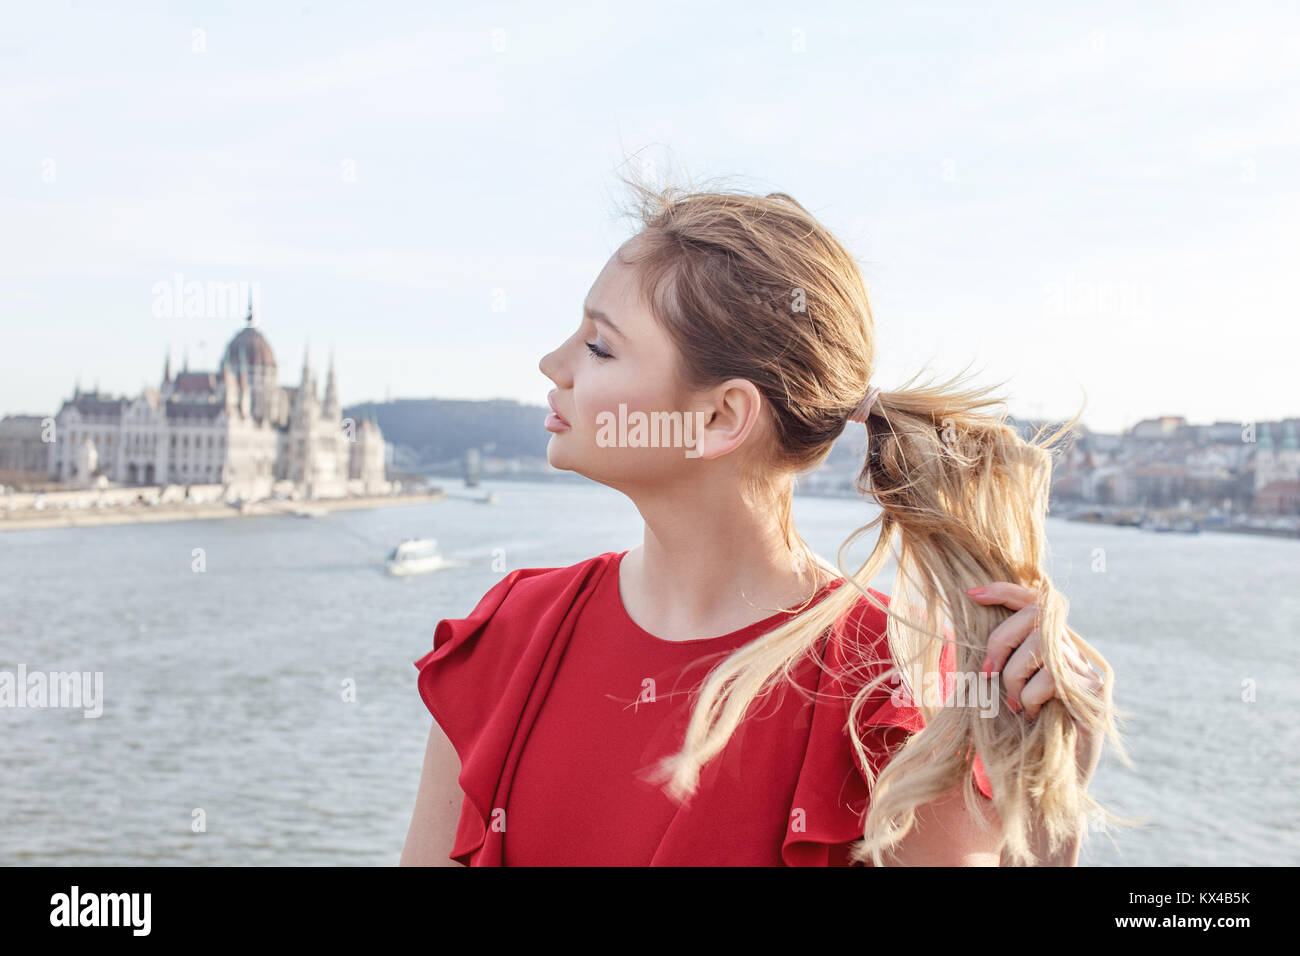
<point>755,287</point>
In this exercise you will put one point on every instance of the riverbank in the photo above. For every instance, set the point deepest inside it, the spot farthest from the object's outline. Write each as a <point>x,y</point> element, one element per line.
<point>29,519</point>
<point>1186,522</point>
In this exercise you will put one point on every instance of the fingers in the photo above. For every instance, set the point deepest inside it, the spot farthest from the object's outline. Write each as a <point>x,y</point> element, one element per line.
<point>1029,685</point>
<point>1040,689</point>
<point>1015,650</point>
<point>1021,668</point>
<point>1014,596</point>
<point>1007,636</point>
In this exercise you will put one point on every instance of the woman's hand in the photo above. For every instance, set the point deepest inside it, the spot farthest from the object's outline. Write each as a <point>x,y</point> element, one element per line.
<point>1013,651</point>
<point>1014,648</point>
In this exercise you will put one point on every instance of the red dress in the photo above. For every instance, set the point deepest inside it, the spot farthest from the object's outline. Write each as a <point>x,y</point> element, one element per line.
<point>786,791</point>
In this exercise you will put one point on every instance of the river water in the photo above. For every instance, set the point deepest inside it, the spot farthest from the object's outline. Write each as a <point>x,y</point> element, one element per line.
<point>225,703</point>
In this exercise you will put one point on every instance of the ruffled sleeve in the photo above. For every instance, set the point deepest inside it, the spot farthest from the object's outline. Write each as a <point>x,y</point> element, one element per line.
<point>829,808</point>
<point>478,682</point>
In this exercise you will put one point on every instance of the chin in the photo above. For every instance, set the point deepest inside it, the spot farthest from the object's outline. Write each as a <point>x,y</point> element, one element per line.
<point>554,458</point>
<point>562,462</point>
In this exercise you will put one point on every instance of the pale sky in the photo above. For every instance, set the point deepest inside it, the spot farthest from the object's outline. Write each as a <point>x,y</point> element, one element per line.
<point>1097,198</point>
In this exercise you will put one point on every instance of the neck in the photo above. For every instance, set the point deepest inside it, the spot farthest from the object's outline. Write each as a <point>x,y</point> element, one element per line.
<point>712,563</point>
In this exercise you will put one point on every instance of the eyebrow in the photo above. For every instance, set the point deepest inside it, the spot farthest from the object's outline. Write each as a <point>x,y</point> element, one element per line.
<point>597,316</point>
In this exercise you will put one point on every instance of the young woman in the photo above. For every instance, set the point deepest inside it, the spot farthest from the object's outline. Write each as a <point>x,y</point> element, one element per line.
<point>720,695</point>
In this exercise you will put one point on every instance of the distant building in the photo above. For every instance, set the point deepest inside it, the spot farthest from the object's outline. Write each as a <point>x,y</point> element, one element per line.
<point>1109,485</point>
<point>1278,498</point>
<point>1165,427</point>
<point>1226,433</point>
<point>21,447</point>
<point>1159,486</point>
<point>1277,454</point>
<point>237,427</point>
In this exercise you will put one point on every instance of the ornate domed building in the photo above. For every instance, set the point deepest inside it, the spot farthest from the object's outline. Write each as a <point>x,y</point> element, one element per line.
<point>250,354</point>
<point>249,348</point>
<point>237,427</point>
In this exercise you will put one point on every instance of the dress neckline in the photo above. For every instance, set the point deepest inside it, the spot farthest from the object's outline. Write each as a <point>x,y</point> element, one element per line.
<point>749,631</point>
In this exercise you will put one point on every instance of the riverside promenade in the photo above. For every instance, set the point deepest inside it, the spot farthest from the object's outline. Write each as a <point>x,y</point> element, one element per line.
<point>127,506</point>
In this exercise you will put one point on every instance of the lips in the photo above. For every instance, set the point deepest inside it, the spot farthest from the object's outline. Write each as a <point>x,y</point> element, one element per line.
<point>551,399</point>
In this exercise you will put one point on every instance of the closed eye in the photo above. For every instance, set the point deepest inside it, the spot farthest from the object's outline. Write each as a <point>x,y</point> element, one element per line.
<point>597,352</point>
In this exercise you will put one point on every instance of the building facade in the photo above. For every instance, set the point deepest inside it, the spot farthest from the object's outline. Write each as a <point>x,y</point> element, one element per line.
<point>21,446</point>
<point>237,426</point>
<point>1277,453</point>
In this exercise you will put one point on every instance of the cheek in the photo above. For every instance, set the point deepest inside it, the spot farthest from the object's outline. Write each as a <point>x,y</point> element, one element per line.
<point>636,390</point>
<point>596,403</point>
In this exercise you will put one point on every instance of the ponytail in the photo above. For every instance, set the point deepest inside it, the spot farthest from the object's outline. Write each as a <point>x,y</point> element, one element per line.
<point>965,498</point>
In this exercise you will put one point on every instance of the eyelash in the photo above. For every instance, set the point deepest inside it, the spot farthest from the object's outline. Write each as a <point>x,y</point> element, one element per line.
<point>597,352</point>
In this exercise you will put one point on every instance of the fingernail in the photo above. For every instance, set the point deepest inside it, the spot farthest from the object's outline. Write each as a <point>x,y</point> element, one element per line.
<point>984,668</point>
<point>1014,705</point>
<point>976,592</point>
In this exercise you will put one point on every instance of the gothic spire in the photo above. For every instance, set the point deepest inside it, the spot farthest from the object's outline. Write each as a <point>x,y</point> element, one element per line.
<point>331,388</point>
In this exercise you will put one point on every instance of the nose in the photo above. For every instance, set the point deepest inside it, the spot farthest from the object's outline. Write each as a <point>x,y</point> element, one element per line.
<point>550,366</point>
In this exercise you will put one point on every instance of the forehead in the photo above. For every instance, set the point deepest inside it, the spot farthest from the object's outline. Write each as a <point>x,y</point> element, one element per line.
<point>616,293</point>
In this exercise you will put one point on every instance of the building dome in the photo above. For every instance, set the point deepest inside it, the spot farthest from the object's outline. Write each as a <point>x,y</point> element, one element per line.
<point>248,349</point>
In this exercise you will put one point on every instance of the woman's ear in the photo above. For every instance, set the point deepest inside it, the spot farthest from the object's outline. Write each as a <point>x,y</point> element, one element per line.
<point>726,416</point>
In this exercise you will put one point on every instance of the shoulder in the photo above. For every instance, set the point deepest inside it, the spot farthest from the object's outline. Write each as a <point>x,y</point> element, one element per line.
<point>866,616</point>
<point>484,670</point>
<point>858,655</point>
<point>526,594</point>
<point>513,623</point>
<point>859,637</point>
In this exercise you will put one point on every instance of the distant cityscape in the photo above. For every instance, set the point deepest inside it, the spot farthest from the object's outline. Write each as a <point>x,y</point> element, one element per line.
<point>1164,474</point>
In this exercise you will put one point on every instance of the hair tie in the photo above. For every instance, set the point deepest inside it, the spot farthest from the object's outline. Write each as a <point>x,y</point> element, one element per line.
<point>864,408</point>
